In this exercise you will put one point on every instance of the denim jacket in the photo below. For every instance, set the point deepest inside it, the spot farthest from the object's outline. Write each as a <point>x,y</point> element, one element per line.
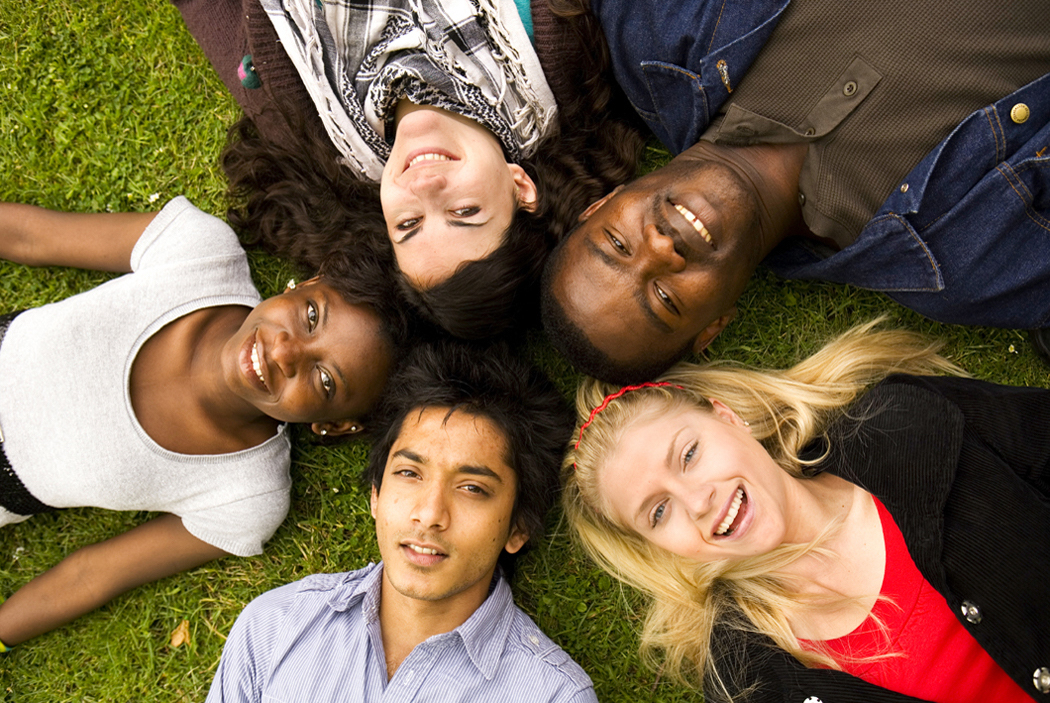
<point>964,238</point>
<point>676,79</point>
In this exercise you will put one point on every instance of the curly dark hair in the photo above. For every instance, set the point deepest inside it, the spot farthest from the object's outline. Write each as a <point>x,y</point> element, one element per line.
<point>494,383</point>
<point>300,202</point>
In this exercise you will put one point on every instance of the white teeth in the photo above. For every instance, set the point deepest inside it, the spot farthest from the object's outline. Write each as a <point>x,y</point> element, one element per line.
<point>255,363</point>
<point>427,157</point>
<point>731,515</point>
<point>422,550</point>
<point>695,222</point>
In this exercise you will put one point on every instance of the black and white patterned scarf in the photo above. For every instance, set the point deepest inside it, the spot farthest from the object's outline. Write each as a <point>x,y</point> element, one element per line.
<point>358,58</point>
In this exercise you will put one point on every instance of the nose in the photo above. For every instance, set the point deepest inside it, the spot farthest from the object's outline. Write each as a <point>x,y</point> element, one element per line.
<point>287,351</point>
<point>699,500</point>
<point>427,183</point>
<point>431,508</point>
<point>663,258</point>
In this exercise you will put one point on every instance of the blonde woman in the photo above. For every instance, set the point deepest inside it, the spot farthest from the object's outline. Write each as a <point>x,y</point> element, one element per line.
<point>800,544</point>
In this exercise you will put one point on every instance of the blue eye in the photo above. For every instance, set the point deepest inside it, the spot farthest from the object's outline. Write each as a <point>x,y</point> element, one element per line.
<point>654,520</point>
<point>690,453</point>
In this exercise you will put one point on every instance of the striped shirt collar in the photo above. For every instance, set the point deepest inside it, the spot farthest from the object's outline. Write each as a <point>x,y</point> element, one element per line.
<point>484,634</point>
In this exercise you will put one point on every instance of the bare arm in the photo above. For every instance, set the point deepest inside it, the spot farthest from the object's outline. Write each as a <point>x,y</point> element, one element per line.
<point>94,575</point>
<point>36,236</point>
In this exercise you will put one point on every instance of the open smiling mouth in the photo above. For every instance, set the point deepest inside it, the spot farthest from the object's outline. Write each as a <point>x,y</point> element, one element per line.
<point>728,525</point>
<point>428,157</point>
<point>257,365</point>
<point>695,222</point>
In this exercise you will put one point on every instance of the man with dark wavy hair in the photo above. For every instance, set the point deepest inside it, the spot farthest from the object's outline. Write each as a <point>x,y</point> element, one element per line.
<point>462,473</point>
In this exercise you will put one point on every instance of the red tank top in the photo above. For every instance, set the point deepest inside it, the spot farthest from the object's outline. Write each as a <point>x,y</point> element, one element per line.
<point>936,658</point>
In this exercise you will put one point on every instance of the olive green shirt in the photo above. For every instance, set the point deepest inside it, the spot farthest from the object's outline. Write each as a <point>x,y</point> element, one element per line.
<point>873,87</point>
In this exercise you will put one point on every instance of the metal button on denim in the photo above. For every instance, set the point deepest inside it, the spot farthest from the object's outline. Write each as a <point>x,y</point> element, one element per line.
<point>1041,680</point>
<point>904,187</point>
<point>1019,113</point>
<point>971,612</point>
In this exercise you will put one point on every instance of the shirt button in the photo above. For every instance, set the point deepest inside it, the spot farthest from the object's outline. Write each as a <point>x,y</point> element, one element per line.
<point>849,89</point>
<point>904,187</point>
<point>971,612</point>
<point>1019,113</point>
<point>810,132</point>
<point>534,639</point>
<point>801,199</point>
<point>1041,680</point>
<point>812,699</point>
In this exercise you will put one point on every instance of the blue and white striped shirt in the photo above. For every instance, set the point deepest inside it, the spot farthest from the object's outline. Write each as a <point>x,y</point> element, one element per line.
<point>319,639</point>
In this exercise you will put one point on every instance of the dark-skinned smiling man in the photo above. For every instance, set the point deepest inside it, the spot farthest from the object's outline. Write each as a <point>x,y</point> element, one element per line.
<point>898,146</point>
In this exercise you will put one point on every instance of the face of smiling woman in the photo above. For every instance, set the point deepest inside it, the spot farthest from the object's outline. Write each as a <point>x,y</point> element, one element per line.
<point>447,192</point>
<point>695,483</point>
<point>307,355</point>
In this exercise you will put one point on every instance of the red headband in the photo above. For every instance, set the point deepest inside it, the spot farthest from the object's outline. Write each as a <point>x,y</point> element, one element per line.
<point>613,396</point>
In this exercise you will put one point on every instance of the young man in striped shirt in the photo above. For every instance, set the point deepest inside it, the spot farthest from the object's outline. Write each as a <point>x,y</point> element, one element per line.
<point>463,470</point>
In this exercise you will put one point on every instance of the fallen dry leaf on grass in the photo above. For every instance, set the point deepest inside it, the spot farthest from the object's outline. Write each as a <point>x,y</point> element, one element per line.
<point>181,634</point>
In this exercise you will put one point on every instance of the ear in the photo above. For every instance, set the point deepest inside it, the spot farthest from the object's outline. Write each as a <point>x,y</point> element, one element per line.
<point>726,413</point>
<point>708,334</point>
<point>527,193</point>
<point>372,502</point>
<point>593,207</point>
<point>517,539</point>
<point>337,428</point>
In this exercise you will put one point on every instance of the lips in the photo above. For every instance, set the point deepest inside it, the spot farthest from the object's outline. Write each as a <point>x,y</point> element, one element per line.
<point>427,156</point>
<point>695,223</point>
<point>734,515</point>
<point>253,363</point>
<point>422,553</point>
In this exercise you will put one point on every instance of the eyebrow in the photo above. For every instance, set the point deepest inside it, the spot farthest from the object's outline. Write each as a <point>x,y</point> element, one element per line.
<point>463,469</point>
<point>410,234</point>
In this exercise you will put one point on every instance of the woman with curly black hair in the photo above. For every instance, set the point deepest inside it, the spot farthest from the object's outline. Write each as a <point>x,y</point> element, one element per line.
<point>431,131</point>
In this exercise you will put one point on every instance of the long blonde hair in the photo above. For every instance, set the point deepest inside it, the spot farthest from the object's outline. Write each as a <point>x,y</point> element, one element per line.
<point>786,411</point>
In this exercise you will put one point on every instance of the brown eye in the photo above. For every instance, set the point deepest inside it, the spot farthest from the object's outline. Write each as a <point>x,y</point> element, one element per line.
<point>408,224</point>
<point>615,241</point>
<point>326,382</point>
<point>665,299</point>
<point>311,315</point>
<point>467,211</point>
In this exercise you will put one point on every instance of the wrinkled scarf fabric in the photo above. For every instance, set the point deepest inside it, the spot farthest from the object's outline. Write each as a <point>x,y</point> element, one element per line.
<point>358,58</point>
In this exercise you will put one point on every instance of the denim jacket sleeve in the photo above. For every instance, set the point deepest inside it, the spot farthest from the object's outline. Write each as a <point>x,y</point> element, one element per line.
<point>679,61</point>
<point>965,237</point>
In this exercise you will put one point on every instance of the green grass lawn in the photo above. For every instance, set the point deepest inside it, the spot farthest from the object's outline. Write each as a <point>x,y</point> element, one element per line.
<point>112,106</point>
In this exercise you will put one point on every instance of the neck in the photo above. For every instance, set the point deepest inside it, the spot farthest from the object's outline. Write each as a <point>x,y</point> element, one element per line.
<point>407,622</point>
<point>824,502</point>
<point>845,585</point>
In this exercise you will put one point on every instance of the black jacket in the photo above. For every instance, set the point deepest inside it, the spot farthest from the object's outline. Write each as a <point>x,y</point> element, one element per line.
<point>964,468</point>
